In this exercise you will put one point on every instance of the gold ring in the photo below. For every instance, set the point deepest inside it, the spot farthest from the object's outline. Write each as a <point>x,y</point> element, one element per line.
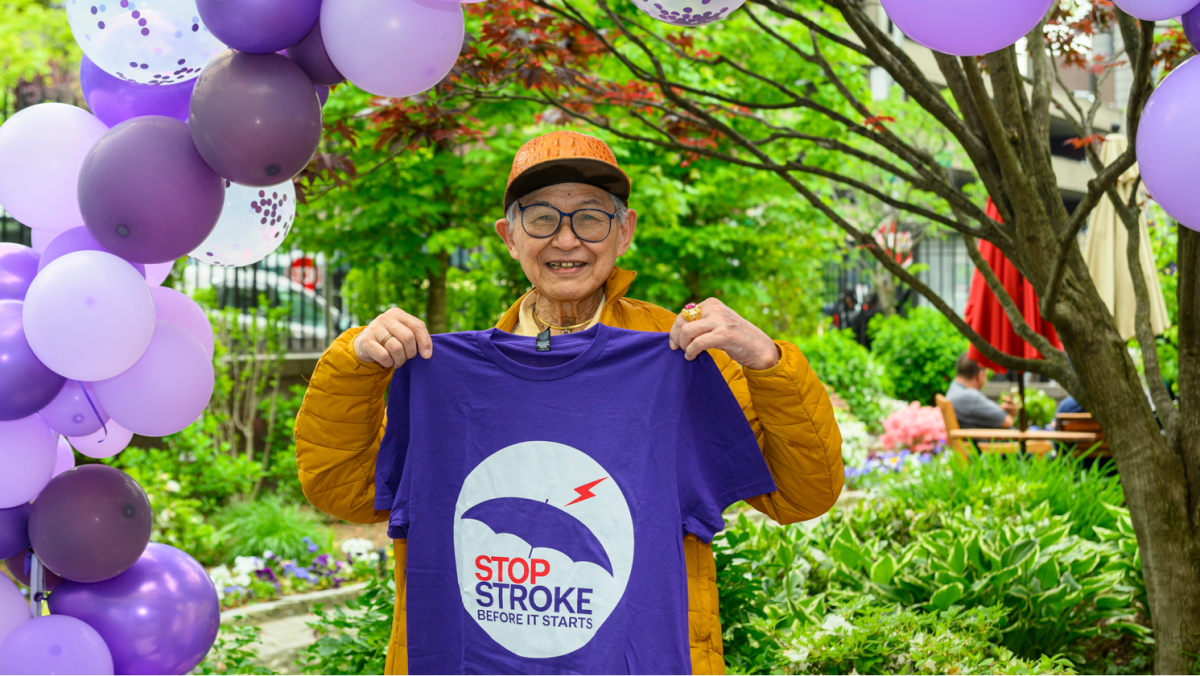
<point>383,341</point>
<point>691,312</point>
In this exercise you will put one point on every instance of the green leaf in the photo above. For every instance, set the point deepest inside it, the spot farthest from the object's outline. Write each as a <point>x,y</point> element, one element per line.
<point>1018,552</point>
<point>1048,574</point>
<point>1053,536</point>
<point>946,596</point>
<point>883,570</point>
<point>958,559</point>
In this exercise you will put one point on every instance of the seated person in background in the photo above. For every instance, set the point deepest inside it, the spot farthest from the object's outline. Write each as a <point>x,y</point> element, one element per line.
<point>972,408</point>
<point>1069,405</point>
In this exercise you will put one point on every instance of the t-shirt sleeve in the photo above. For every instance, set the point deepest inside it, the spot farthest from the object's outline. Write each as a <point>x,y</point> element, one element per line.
<point>718,458</point>
<point>393,448</point>
<point>981,411</point>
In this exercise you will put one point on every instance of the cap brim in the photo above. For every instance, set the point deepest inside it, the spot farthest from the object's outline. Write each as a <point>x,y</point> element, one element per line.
<point>568,170</point>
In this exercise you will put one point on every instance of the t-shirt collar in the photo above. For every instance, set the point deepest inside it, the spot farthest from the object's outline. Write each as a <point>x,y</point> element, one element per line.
<point>595,338</point>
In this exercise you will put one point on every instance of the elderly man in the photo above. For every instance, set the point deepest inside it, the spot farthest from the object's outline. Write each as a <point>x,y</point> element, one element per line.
<point>567,222</point>
<point>971,406</point>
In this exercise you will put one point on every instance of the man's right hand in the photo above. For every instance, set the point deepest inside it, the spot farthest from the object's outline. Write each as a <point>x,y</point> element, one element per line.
<point>393,338</point>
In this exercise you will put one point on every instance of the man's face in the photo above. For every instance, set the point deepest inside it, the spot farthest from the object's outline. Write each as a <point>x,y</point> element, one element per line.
<point>563,267</point>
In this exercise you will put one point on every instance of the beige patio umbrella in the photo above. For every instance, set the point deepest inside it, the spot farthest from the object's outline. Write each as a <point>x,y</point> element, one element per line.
<point>1104,251</point>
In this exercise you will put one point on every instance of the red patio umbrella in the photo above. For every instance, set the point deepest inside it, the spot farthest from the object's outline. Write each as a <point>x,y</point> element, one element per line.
<point>984,314</point>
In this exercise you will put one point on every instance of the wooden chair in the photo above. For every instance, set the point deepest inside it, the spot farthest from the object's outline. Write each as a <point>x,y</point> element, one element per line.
<point>1084,422</point>
<point>1037,442</point>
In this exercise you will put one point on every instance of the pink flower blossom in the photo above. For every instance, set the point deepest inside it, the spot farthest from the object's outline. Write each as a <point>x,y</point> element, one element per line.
<point>919,429</point>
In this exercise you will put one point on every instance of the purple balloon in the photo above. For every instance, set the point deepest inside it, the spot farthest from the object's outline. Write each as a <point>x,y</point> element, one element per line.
<point>1168,165</point>
<point>26,384</point>
<point>1155,10</point>
<point>146,194</point>
<point>55,645</point>
<point>18,266</point>
<point>75,412</point>
<point>312,58</point>
<point>322,94</point>
<point>966,27</point>
<point>114,100</point>
<point>90,523</point>
<point>19,565</point>
<point>166,390</point>
<point>14,530</point>
<point>254,118</point>
<point>259,26</point>
<point>70,241</point>
<point>27,458</point>
<point>1191,26</point>
<point>160,617</point>
<point>175,307</point>
<point>104,442</point>
<point>403,47</point>
<point>66,457</point>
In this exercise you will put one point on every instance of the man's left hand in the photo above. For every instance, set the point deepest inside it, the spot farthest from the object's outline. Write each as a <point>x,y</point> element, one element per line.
<point>720,328</point>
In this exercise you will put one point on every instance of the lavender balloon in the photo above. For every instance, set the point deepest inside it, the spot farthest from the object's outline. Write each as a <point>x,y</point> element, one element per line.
<point>75,239</point>
<point>254,223</point>
<point>27,457</point>
<point>19,567</point>
<point>14,609</point>
<point>392,47</point>
<point>55,645</point>
<point>65,457</point>
<point>14,530</point>
<point>966,27</point>
<point>92,294</point>
<point>42,148</point>
<point>18,265</point>
<point>114,100</point>
<point>1167,165</point>
<point>1155,10</point>
<point>90,523</point>
<point>175,307</point>
<point>255,118</point>
<point>104,442</point>
<point>160,617</point>
<point>166,389</point>
<point>75,412</point>
<point>312,58</point>
<point>40,239</point>
<point>157,273</point>
<point>259,26</point>
<point>146,194</point>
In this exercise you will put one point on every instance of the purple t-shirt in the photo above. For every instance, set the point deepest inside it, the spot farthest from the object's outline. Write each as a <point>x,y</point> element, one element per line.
<point>545,496</point>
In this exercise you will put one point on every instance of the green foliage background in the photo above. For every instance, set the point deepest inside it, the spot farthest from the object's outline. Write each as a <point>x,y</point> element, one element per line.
<point>917,353</point>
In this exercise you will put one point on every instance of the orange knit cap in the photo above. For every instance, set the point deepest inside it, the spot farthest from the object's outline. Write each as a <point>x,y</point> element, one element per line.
<point>564,157</point>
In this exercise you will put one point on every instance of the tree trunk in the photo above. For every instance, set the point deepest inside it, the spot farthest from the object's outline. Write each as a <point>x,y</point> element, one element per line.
<point>435,306</point>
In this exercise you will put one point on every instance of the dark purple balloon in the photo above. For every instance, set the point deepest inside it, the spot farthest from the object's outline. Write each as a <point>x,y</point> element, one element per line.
<point>322,94</point>
<point>26,384</point>
<point>18,265</point>
<point>14,530</point>
<point>145,193</point>
<point>1191,26</point>
<point>311,56</point>
<point>159,617</point>
<point>19,565</point>
<point>114,100</point>
<point>91,523</point>
<point>70,241</point>
<point>259,26</point>
<point>254,118</point>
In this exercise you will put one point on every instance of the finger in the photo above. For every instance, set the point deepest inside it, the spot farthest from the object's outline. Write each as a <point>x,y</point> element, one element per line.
<point>676,328</point>
<point>404,338</point>
<point>692,330</point>
<point>376,352</point>
<point>702,343</point>
<point>424,343</point>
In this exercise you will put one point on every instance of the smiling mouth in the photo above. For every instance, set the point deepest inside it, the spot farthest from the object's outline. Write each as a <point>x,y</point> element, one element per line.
<point>556,265</point>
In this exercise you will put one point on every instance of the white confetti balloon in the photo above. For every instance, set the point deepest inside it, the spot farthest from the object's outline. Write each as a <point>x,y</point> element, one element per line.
<point>144,41</point>
<point>254,222</point>
<point>688,12</point>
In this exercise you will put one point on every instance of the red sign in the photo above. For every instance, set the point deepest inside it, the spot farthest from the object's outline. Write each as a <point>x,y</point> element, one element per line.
<point>304,271</point>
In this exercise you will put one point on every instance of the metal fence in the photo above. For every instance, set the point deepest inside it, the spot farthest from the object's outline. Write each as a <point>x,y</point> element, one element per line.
<point>302,282</point>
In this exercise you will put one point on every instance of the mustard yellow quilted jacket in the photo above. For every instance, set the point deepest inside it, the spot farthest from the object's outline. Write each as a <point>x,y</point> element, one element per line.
<point>341,423</point>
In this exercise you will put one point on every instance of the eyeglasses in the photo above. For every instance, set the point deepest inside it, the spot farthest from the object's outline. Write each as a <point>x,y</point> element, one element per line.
<point>543,221</point>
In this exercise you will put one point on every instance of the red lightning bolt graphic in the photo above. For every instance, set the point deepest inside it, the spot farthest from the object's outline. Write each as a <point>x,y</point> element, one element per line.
<point>585,492</point>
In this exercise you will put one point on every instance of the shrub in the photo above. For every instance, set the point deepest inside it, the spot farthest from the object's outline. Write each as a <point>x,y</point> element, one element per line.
<point>1040,407</point>
<point>269,524</point>
<point>919,429</point>
<point>353,642</point>
<point>917,353</point>
<point>233,654</point>
<point>847,368</point>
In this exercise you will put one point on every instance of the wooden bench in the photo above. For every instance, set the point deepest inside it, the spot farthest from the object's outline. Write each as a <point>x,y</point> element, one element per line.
<point>1084,422</point>
<point>1036,442</point>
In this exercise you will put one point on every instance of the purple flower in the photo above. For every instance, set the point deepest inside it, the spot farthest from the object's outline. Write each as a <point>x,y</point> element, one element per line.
<point>266,574</point>
<point>312,546</point>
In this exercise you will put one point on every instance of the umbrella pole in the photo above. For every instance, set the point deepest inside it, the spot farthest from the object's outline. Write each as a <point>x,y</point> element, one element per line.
<point>1023,420</point>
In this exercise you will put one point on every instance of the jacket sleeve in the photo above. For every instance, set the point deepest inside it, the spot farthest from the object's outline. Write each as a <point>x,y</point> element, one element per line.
<point>790,412</point>
<point>338,430</point>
